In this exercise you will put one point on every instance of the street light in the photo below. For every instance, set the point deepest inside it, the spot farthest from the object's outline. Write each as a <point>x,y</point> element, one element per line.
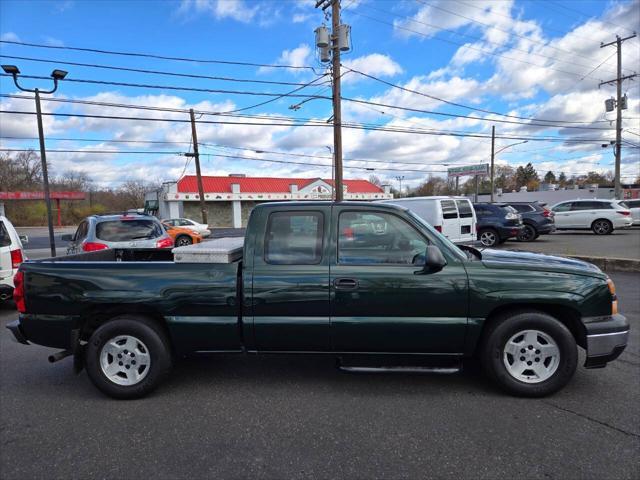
<point>493,155</point>
<point>56,75</point>
<point>400,178</point>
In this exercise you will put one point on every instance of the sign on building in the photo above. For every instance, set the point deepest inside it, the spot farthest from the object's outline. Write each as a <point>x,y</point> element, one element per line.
<point>480,169</point>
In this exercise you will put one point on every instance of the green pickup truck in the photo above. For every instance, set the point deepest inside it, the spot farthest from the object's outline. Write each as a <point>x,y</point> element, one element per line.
<point>371,284</point>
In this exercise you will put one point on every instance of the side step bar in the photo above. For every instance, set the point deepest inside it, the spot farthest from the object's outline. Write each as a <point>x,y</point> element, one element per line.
<point>400,369</point>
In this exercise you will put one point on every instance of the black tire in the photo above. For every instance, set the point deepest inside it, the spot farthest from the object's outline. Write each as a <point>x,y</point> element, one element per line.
<point>602,226</point>
<point>528,233</point>
<point>183,240</point>
<point>494,358</point>
<point>488,237</point>
<point>154,341</point>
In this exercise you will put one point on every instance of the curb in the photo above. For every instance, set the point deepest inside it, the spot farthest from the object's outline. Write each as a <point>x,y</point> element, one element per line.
<point>607,264</point>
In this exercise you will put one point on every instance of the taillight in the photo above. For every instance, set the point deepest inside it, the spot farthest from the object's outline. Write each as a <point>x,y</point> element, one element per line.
<point>547,213</point>
<point>18,292</point>
<point>614,297</point>
<point>164,243</point>
<point>438,228</point>
<point>93,246</point>
<point>626,213</point>
<point>16,258</point>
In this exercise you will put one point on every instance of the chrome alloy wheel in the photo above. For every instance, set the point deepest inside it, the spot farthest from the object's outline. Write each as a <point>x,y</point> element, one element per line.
<point>531,356</point>
<point>125,360</point>
<point>488,238</point>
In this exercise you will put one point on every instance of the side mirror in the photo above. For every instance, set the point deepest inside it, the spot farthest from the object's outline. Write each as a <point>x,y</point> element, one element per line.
<point>67,237</point>
<point>434,261</point>
<point>24,239</point>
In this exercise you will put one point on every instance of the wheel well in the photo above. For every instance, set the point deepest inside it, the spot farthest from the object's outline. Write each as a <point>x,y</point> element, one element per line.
<point>100,314</point>
<point>183,235</point>
<point>605,219</point>
<point>569,317</point>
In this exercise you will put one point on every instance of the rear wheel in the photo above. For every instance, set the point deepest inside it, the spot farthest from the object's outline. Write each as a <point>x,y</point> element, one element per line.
<point>529,354</point>
<point>528,233</point>
<point>488,237</point>
<point>183,240</point>
<point>128,357</point>
<point>602,226</point>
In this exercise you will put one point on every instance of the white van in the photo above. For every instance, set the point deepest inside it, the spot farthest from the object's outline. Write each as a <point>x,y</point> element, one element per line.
<point>454,217</point>
<point>11,256</point>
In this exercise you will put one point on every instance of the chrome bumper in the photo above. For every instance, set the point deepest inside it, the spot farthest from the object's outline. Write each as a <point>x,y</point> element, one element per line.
<point>607,338</point>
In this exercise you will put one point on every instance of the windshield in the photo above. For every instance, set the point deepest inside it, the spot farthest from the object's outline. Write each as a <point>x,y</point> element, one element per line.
<point>452,246</point>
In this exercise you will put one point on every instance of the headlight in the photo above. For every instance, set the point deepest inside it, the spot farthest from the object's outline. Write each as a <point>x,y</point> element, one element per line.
<point>511,216</point>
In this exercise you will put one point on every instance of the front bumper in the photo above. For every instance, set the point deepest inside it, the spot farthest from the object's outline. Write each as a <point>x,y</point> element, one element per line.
<point>607,338</point>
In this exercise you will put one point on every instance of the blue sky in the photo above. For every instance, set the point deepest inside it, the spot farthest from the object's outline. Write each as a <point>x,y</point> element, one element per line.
<point>528,59</point>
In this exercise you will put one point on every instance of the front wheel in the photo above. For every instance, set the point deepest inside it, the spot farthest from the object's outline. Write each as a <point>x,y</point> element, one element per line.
<point>529,354</point>
<point>128,357</point>
<point>183,241</point>
<point>602,227</point>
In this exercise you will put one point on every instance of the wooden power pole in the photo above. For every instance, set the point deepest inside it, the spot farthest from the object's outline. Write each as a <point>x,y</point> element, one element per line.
<point>337,108</point>
<point>618,80</point>
<point>196,155</point>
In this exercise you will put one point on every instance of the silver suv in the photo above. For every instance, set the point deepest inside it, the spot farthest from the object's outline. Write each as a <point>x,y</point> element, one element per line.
<point>99,232</point>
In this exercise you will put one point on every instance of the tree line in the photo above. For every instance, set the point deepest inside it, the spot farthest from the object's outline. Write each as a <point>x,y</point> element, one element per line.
<point>23,172</point>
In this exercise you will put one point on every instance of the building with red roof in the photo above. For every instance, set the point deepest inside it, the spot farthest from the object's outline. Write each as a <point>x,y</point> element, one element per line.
<point>230,199</point>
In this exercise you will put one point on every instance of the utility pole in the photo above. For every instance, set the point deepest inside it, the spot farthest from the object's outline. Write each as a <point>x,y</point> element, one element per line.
<point>56,75</point>
<point>196,155</point>
<point>337,109</point>
<point>618,80</point>
<point>400,178</point>
<point>493,146</point>
<point>338,41</point>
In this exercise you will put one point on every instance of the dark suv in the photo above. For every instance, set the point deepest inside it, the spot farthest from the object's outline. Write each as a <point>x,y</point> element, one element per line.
<point>497,222</point>
<point>537,220</point>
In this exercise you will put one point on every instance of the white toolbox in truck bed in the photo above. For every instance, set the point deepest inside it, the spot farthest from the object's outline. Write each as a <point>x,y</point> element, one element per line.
<point>219,250</point>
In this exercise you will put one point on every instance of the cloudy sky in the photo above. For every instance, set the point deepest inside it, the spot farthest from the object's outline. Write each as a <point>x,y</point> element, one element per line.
<point>423,85</point>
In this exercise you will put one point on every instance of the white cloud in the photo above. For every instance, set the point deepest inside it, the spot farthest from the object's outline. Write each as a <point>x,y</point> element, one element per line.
<point>375,64</point>
<point>296,57</point>
<point>10,37</point>
<point>221,9</point>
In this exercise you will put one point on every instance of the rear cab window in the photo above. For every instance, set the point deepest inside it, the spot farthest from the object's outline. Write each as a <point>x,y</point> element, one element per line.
<point>126,230</point>
<point>294,238</point>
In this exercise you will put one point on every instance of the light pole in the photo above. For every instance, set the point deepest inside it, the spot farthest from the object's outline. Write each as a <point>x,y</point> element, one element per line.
<point>493,156</point>
<point>56,75</point>
<point>400,178</point>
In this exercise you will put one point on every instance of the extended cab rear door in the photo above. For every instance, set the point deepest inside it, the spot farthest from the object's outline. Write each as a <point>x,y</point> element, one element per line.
<point>290,283</point>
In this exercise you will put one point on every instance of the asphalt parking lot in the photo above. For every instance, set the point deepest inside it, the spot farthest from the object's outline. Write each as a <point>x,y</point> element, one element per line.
<point>283,417</point>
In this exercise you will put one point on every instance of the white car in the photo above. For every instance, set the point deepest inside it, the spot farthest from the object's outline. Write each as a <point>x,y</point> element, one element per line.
<point>201,228</point>
<point>11,256</point>
<point>600,216</point>
<point>634,207</point>
<point>454,217</point>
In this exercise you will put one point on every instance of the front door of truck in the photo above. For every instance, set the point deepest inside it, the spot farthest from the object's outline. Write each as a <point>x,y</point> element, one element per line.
<point>379,303</point>
<point>290,286</point>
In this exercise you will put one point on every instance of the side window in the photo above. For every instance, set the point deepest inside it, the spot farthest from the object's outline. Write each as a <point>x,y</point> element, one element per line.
<point>602,205</point>
<point>449,209</point>
<point>377,238</point>
<point>583,206</point>
<point>81,233</point>
<point>294,238</point>
<point>633,203</point>
<point>521,208</point>
<point>184,223</point>
<point>465,209</point>
<point>5,239</point>
<point>480,211</point>
<point>563,207</point>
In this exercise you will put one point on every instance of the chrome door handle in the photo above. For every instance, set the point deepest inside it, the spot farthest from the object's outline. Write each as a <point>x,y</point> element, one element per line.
<point>345,283</point>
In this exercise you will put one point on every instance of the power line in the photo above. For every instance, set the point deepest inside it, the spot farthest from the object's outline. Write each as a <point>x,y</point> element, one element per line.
<point>399,87</point>
<point>156,56</point>
<point>170,87</point>
<point>151,72</point>
<point>588,16</point>
<point>355,126</point>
